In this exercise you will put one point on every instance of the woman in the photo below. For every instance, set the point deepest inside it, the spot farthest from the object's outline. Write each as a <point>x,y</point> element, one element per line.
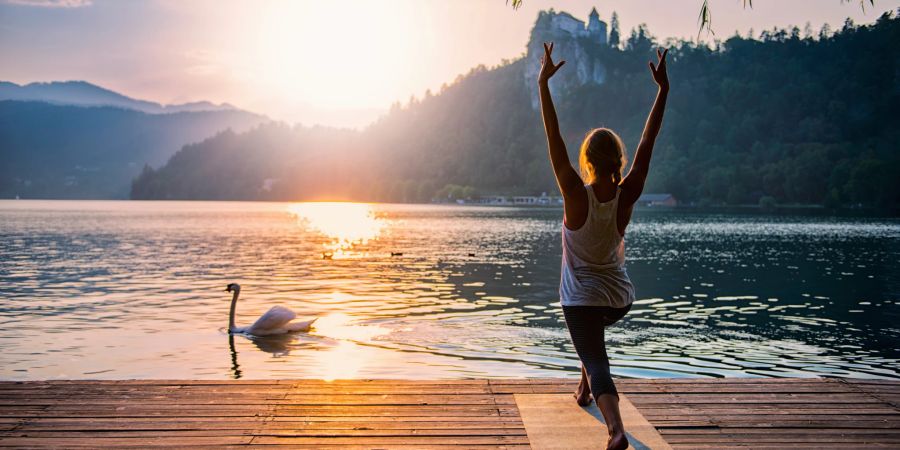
<point>595,290</point>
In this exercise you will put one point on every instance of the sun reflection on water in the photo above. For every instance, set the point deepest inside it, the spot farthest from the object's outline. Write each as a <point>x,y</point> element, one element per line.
<point>347,357</point>
<point>344,224</point>
<point>343,326</point>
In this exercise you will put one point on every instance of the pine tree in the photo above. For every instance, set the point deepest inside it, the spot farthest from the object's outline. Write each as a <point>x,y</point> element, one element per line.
<point>614,30</point>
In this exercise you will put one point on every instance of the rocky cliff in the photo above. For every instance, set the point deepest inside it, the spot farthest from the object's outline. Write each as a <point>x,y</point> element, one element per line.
<point>576,43</point>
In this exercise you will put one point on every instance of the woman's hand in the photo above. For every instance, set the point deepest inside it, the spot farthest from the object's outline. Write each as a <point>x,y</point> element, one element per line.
<point>547,66</point>
<point>659,70</point>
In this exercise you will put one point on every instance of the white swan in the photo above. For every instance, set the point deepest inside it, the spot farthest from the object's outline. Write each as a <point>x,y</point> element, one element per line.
<point>277,320</point>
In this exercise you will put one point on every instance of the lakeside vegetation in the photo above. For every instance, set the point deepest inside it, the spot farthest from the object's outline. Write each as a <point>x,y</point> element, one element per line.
<point>789,116</point>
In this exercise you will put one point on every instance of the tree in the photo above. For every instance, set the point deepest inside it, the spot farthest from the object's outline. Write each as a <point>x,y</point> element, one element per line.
<point>640,40</point>
<point>614,30</point>
<point>807,31</point>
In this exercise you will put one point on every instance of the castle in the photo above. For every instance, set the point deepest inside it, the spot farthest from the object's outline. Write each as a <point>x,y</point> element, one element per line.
<point>595,30</point>
<point>577,43</point>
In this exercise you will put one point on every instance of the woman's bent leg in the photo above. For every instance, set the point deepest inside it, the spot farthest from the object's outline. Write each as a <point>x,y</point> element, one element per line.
<point>586,326</point>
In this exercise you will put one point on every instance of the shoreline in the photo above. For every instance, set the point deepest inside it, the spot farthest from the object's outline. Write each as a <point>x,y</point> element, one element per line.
<point>778,210</point>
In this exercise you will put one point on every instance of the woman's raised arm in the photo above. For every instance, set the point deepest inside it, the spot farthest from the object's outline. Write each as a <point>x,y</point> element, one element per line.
<point>633,184</point>
<point>566,177</point>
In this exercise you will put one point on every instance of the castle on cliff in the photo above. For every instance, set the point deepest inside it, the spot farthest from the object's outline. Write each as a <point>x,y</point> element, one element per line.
<point>555,22</point>
<point>578,43</point>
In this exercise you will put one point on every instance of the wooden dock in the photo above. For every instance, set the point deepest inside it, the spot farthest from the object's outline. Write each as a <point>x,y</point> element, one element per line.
<point>688,414</point>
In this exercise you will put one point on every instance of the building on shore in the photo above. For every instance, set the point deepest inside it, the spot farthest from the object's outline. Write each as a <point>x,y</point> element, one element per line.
<point>646,200</point>
<point>666,200</point>
<point>519,200</point>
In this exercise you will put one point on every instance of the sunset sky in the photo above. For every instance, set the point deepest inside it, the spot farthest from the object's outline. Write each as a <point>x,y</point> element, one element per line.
<point>332,62</point>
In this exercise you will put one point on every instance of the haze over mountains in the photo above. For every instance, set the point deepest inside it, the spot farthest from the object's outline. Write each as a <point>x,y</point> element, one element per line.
<point>77,140</point>
<point>82,93</point>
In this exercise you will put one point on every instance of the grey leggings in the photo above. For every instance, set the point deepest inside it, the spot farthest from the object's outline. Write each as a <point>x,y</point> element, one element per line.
<point>587,327</point>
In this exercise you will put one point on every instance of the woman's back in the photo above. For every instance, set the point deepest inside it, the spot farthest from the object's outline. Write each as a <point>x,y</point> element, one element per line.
<point>593,262</point>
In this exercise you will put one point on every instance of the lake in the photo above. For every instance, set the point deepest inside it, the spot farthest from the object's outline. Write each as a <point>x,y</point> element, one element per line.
<point>115,290</point>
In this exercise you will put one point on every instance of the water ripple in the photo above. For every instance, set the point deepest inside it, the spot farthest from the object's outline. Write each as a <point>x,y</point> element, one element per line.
<point>135,290</point>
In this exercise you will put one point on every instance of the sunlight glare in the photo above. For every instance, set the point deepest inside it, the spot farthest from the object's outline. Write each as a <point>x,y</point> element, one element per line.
<point>345,224</point>
<point>345,52</point>
<point>347,358</point>
<point>343,326</point>
<point>343,362</point>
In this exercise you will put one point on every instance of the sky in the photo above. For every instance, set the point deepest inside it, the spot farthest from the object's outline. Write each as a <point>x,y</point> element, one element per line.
<point>327,62</point>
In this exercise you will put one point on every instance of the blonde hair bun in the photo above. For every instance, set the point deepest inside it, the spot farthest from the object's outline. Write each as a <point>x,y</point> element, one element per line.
<point>602,155</point>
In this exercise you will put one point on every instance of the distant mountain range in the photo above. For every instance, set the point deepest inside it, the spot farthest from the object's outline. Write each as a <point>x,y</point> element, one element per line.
<point>77,140</point>
<point>82,93</point>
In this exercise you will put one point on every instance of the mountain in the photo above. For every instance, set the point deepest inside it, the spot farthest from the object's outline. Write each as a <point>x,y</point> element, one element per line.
<point>781,118</point>
<point>82,93</point>
<point>54,150</point>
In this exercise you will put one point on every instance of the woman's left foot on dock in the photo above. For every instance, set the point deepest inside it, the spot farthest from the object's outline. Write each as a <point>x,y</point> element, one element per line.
<point>583,394</point>
<point>617,442</point>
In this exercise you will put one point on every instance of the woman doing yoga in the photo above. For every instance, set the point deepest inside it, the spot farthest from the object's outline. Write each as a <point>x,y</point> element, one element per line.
<point>594,288</point>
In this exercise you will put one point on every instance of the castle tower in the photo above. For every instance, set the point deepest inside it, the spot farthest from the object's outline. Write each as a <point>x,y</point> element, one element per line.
<point>596,28</point>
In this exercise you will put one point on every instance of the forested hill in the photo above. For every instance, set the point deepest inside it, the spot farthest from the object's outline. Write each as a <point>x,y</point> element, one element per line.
<point>77,152</point>
<point>800,117</point>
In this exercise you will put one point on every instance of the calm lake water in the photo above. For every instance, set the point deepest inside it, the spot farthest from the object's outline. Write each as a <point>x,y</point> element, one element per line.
<point>135,290</point>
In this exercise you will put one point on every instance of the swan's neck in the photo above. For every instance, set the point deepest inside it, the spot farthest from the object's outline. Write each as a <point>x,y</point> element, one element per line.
<point>234,298</point>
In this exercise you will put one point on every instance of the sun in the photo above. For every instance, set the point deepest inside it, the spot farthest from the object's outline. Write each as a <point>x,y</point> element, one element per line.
<point>334,53</point>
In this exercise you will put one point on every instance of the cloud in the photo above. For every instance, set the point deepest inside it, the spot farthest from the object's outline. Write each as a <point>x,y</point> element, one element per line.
<point>50,3</point>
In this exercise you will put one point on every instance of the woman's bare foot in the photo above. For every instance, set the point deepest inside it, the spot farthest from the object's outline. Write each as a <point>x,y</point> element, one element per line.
<point>609,407</point>
<point>583,394</point>
<point>617,441</point>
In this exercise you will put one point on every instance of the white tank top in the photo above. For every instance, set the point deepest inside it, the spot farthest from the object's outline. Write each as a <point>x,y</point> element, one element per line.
<point>593,259</point>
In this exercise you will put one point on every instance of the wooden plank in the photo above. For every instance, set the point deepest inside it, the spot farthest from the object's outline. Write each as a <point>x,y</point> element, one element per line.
<point>817,388</point>
<point>100,441</point>
<point>382,419</point>
<point>726,380</point>
<point>389,440</point>
<point>812,439</point>
<point>257,402</point>
<point>744,399</point>
<point>74,424</point>
<point>768,422</point>
<point>778,431</point>
<point>282,432</point>
<point>778,446</point>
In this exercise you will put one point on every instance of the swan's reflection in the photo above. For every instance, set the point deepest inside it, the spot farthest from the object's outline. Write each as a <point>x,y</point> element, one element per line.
<point>277,345</point>
<point>235,368</point>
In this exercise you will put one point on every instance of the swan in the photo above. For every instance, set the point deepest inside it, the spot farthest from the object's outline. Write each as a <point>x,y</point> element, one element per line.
<point>277,320</point>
